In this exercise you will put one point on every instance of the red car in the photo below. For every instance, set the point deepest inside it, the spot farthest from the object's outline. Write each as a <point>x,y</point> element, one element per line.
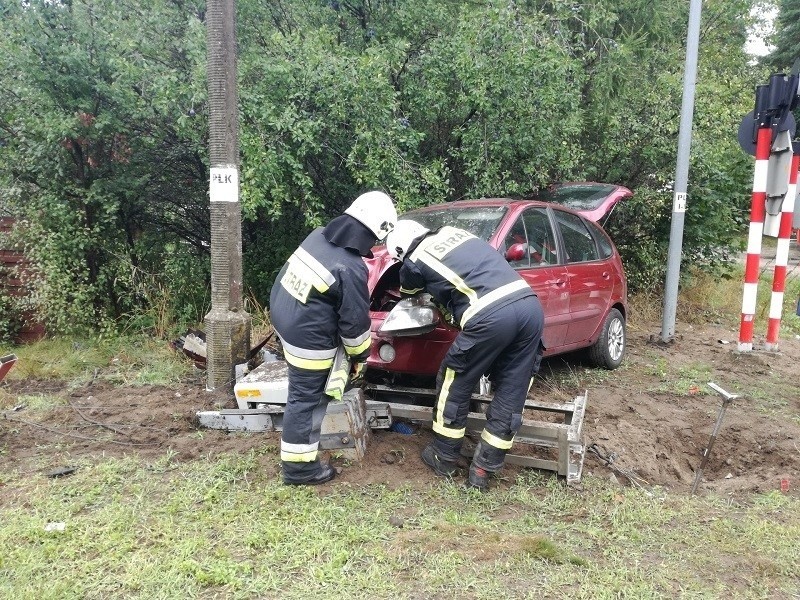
<point>568,260</point>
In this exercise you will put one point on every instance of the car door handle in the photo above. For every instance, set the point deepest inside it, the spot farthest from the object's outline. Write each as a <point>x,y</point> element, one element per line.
<point>606,275</point>
<point>561,282</point>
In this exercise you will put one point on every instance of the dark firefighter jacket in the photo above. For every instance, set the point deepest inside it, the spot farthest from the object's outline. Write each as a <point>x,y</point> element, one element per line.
<point>320,300</point>
<point>463,273</point>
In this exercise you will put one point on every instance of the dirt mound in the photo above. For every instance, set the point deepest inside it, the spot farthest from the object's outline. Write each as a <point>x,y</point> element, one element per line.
<point>658,413</point>
<point>647,423</point>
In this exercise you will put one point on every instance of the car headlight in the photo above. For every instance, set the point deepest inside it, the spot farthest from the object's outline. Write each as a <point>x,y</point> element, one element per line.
<point>411,316</point>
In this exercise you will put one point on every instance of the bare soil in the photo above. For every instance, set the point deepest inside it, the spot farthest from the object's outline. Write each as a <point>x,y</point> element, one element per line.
<point>652,418</point>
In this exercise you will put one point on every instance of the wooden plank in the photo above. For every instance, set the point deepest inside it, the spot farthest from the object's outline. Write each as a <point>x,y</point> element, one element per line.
<point>563,453</point>
<point>530,431</point>
<point>565,438</point>
<point>268,409</point>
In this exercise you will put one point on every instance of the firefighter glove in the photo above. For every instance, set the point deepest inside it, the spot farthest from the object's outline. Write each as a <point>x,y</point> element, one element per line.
<point>357,373</point>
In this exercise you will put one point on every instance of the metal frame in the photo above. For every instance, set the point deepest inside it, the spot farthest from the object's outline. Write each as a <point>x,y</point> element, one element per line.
<point>261,397</point>
<point>565,438</point>
<point>346,427</point>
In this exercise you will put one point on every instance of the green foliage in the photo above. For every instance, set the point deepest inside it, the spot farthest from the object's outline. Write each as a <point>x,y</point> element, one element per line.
<point>720,175</point>
<point>173,296</point>
<point>10,318</point>
<point>103,130</point>
<point>786,38</point>
<point>12,301</point>
<point>640,227</point>
<point>96,153</point>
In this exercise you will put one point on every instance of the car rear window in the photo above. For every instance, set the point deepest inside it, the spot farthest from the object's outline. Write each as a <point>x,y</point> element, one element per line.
<point>577,197</point>
<point>481,221</point>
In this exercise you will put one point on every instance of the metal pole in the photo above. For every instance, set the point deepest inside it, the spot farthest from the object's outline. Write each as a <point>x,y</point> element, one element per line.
<point>782,254</point>
<point>727,398</point>
<point>756,231</point>
<point>227,324</point>
<point>681,174</point>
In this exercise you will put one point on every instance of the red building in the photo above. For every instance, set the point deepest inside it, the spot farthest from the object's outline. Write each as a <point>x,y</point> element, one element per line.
<point>10,262</point>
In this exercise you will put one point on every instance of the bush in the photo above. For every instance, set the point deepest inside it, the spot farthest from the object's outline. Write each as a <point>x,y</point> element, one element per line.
<point>639,227</point>
<point>10,318</point>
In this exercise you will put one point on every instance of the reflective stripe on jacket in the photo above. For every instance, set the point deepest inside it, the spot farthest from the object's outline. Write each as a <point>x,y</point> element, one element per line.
<point>463,273</point>
<point>320,300</point>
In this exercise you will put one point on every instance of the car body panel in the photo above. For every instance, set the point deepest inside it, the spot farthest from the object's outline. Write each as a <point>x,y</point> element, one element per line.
<point>593,200</point>
<point>589,299</point>
<point>551,285</point>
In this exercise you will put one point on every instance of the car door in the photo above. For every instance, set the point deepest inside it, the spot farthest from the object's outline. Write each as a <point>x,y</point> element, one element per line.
<point>531,248</point>
<point>589,276</point>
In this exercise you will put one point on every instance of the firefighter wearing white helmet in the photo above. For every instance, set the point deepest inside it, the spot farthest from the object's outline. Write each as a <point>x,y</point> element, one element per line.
<point>400,240</point>
<point>376,211</point>
<point>501,322</point>
<point>319,303</point>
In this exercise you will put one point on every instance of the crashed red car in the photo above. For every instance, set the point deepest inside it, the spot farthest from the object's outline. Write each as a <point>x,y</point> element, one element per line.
<point>567,258</point>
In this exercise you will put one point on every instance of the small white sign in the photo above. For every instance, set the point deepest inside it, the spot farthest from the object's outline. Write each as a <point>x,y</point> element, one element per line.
<point>679,202</point>
<point>224,185</point>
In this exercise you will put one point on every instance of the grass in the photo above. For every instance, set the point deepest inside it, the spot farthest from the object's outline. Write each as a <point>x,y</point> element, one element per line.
<point>704,298</point>
<point>218,529</point>
<point>134,360</point>
<point>31,402</point>
<point>718,299</point>
<point>682,380</point>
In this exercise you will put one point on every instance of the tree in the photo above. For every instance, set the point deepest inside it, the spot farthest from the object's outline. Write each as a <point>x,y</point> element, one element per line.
<point>786,38</point>
<point>99,156</point>
<point>103,128</point>
<point>436,101</point>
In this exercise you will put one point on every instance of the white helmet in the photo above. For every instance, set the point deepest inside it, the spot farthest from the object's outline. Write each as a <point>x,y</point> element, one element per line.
<point>376,211</point>
<point>400,239</point>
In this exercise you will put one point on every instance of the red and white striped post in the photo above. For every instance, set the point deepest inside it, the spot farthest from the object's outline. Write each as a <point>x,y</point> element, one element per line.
<point>757,211</point>
<point>782,258</point>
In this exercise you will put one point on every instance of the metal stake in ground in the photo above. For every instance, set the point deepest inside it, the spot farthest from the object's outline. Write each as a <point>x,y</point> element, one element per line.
<point>727,398</point>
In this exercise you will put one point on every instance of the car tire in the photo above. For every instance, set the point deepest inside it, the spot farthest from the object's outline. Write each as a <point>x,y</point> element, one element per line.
<point>609,349</point>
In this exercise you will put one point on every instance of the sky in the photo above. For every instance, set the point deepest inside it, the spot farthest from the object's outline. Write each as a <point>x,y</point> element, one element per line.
<point>755,43</point>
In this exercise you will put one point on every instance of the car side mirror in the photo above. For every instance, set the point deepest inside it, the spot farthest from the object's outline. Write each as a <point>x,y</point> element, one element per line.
<point>516,252</point>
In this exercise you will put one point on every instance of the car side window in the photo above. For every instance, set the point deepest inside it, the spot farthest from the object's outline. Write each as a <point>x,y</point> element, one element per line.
<point>603,242</point>
<point>541,241</point>
<point>578,241</point>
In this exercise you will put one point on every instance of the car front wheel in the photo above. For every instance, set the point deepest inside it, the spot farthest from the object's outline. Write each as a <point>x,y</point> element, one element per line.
<point>609,349</point>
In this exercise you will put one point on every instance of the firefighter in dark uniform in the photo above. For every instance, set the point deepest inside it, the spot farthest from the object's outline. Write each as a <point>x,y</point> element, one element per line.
<point>501,322</point>
<point>320,301</point>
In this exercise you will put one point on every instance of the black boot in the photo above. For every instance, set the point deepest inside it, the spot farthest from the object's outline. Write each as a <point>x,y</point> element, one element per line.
<point>440,466</point>
<point>478,478</point>
<point>323,475</point>
<point>486,460</point>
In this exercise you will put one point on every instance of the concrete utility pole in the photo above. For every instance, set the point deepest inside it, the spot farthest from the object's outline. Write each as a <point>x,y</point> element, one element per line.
<point>227,324</point>
<point>681,174</point>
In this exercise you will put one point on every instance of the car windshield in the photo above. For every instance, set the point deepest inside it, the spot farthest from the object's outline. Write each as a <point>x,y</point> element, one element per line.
<point>481,221</point>
<point>577,197</point>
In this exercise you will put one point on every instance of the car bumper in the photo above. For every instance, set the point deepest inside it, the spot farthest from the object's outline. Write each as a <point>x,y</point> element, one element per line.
<point>414,355</point>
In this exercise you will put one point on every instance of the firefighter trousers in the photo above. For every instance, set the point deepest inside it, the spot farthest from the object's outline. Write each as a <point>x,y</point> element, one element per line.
<point>302,422</point>
<point>507,346</point>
